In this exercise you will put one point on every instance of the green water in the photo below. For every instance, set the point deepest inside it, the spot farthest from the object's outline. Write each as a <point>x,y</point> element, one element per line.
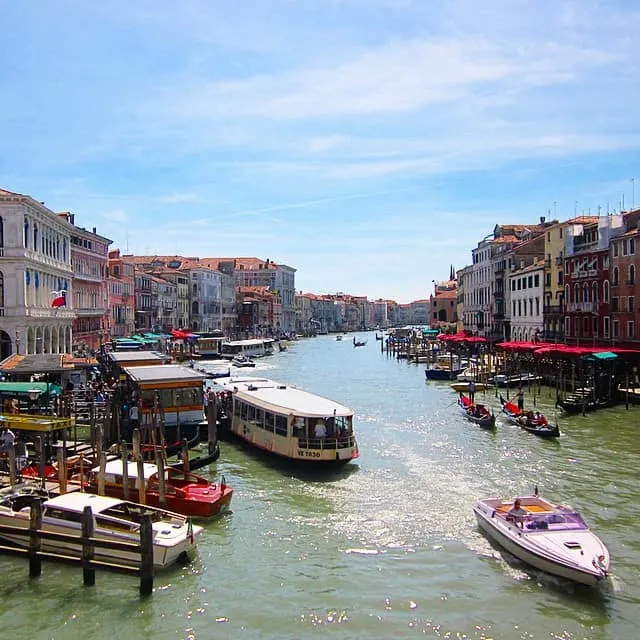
<point>387,547</point>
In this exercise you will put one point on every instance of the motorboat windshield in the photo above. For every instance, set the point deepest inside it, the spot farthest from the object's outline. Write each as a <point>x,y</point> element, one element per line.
<point>556,521</point>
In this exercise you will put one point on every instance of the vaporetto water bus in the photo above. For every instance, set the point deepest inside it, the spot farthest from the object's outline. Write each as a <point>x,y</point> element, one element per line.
<point>288,422</point>
<point>253,348</point>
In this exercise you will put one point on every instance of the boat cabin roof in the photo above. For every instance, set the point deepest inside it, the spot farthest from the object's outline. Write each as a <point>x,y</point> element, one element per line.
<point>250,342</point>
<point>122,357</point>
<point>280,397</point>
<point>76,501</point>
<point>163,373</point>
<point>114,468</point>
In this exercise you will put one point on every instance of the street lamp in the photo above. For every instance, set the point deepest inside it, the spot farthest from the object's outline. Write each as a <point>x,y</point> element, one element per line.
<point>33,397</point>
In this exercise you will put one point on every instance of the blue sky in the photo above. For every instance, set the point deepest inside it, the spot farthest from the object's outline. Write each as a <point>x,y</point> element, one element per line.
<point>367,143</point>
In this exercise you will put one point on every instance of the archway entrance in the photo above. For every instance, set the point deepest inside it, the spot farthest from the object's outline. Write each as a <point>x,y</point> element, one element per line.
<point>5,345</point>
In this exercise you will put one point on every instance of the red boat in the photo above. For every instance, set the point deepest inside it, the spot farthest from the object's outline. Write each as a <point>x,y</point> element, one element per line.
<point>186,493</point>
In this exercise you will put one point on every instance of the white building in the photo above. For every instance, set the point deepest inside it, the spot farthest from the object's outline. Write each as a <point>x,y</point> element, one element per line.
<point>35,261</point>
<point>526,296</point>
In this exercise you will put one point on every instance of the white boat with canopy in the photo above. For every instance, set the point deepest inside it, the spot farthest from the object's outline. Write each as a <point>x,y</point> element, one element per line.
<point>550,537</point>
<point>289,422</point>
<point>174,536</point>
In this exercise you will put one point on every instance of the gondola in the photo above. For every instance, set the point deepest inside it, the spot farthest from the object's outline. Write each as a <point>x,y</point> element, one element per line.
<point>538,426</point>
<point>576,403</point>
<point>477,413</point>
<point>200,461</point>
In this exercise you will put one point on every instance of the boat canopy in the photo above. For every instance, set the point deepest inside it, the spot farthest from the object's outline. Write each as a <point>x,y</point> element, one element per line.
<point>27,388</point>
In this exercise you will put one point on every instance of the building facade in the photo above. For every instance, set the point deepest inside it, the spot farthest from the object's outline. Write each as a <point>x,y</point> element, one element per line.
<point>121,284</point>
<point>89,259</point>
<point>35,269</point>
<point>526,299</point>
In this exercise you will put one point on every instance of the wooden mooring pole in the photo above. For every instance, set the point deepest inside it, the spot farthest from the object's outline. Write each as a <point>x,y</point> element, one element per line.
<point>88,529</point>
<point>146,556</point>
<point>35,524</point>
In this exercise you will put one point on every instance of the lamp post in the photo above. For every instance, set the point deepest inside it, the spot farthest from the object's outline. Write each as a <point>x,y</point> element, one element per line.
<point>33,399</point>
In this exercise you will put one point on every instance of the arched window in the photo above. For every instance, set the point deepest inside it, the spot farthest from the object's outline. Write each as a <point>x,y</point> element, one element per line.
<point>585,292</point>
<point>35,236</point>
<point>605,291</point>
<point>26,233</point>
<point>567,293</point>
<point>1,290</point>
<point>632,274</point>
<point>576,292</point>
<point>615,280</point>
<point>594,294</point>
<point>1,233</point>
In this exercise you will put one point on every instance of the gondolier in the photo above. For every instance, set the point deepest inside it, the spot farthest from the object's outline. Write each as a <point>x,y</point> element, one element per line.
<point>472,390</point>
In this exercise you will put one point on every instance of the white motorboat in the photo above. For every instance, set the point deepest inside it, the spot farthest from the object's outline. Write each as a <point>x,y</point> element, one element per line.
<point>174,536</point>
<point>241,360</point>
<point>549,537</point>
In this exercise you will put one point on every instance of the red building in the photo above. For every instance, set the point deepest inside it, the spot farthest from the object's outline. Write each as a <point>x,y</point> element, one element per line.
<point>625,291</point>
<point>587,279</point>
<point>121,300</point>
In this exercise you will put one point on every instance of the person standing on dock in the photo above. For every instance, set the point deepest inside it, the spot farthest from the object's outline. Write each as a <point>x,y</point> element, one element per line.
<point>7,439</point>
<point>520,397</point>
<point>472,391</point>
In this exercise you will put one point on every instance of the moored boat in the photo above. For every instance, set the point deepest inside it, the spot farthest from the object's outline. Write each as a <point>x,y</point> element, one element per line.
<point>503,380</point>
<point>527,420</point>
<point>477,413</point>
<point>290,423</point>
<point>174,535</point>
<point>549,537</point>
<point>186,492</point>
<point>464,386</point>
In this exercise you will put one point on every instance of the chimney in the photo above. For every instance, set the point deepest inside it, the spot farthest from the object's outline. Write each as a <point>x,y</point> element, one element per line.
<point>542,219</point>
<point>93,231</point>
<point>72,218</point>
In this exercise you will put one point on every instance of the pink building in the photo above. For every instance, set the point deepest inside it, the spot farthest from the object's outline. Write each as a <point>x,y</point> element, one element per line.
<point>89,254</point>
<point>121,298</point>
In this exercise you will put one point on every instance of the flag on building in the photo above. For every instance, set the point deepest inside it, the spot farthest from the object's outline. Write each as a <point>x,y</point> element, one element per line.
<point>59,298</point>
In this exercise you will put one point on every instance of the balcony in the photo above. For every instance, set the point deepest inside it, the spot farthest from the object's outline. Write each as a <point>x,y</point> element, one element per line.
<point>582,307</point>
<point>88,277</point>
<point>559,261</point>
<point>549,309</point>
<point>84,312</point>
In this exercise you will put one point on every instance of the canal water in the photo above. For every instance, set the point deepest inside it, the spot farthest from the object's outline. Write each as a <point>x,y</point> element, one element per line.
<point>385,547</point>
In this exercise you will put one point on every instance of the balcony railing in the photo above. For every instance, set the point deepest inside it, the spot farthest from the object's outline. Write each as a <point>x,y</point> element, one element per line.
<point>89,311</point>
<point>552,308</point>
<point>581,307</point>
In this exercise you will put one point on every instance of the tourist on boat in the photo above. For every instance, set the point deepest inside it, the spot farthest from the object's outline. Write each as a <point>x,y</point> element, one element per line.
<point>472,390</point>
<point>320,430</point>
<point>517,513</point>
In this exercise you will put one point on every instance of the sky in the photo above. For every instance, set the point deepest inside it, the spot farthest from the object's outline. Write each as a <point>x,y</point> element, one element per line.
<point>369,144</point>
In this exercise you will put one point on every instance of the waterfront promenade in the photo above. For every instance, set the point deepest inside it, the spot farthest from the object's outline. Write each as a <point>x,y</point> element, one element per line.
<point>387,547</point>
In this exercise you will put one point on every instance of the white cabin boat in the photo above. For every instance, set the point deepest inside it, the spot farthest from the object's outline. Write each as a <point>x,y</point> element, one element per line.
<point>289,422</point>
<point>174,535</point>
<point>550,537</point>
<point>252,348</point>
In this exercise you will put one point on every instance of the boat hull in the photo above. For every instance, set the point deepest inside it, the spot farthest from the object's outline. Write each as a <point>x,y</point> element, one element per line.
<point>517,543</point>
<point>165,553</point>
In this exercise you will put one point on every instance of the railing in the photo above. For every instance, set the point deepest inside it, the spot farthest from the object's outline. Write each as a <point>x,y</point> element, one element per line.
<point>88,311</point>
<point>552,308</point>
<point>583,307</point>
<point>327,443</point>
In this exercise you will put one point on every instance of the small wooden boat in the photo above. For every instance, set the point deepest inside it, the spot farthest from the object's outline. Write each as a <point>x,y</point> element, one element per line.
<point>213,453</point>
<point>477,413</point>
<point>116,520</point>
<point>339,337</point>
<point>582,402</point>
<point>186,492</point>
<point>527,420</point>
<point>359,343</point>
<point>464,386</point>
<point>518,380</point>
<point>550,537</point>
